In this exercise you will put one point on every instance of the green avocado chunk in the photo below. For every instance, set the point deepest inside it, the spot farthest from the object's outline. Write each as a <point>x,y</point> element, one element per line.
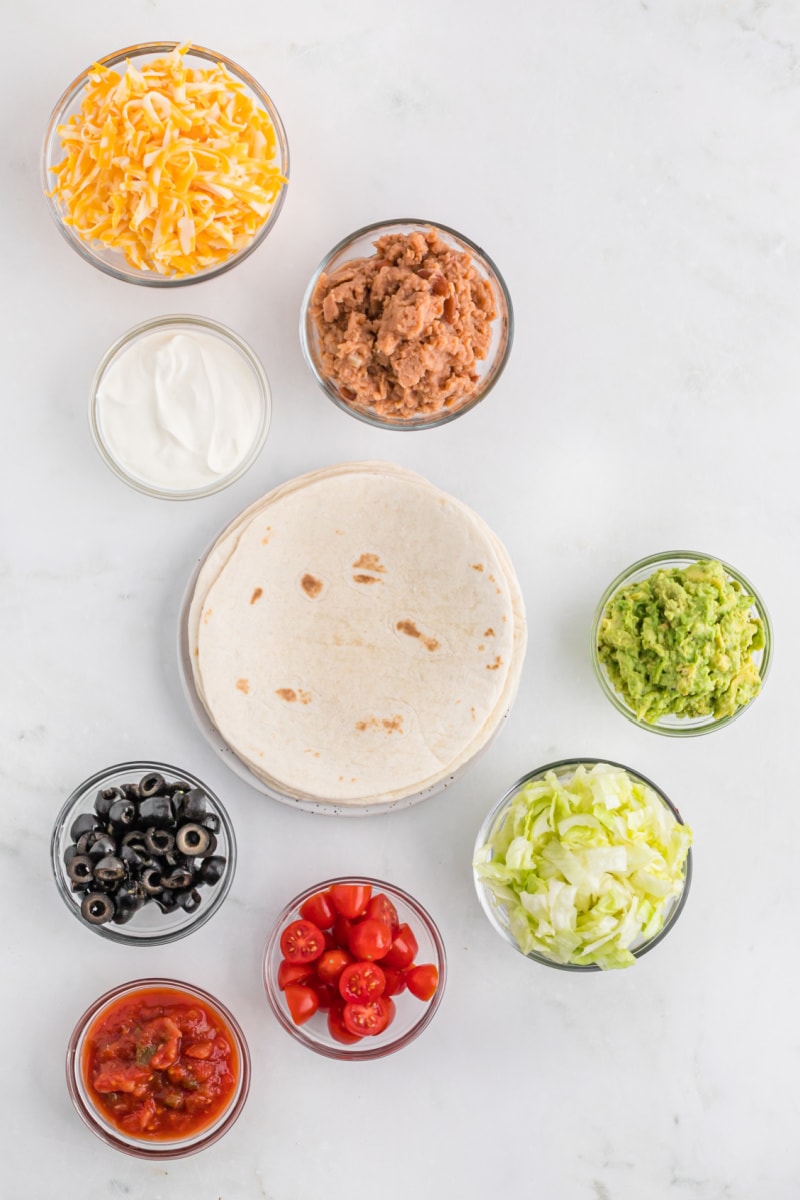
<point>681,642</point>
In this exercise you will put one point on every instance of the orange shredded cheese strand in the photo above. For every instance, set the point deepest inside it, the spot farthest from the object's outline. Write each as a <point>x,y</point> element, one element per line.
<point>174,166</point>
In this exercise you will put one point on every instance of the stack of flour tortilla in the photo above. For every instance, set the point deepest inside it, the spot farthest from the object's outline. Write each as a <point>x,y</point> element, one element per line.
<point>356,636</point>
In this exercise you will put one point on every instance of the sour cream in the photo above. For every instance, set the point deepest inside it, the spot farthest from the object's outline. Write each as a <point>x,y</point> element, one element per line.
<point>180,405</point>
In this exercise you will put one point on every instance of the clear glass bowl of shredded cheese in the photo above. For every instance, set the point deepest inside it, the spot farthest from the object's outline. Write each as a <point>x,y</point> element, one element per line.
<point>164,164</point>
<point>583,865</point>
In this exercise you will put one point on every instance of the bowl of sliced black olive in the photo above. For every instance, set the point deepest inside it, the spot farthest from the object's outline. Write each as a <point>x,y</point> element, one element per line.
<point>143,853</point>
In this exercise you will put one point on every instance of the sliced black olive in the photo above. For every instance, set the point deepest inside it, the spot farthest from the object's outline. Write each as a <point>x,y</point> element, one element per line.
<point>193,839</point>
<point>131,790</point>
<point>88,839</point>
<point>125,905</point>
<point>134,859</point>
<point>212,869</point>
<point>84,823</point>
<point>179,788</point>
<point>152,785</point>
<point>159,841</point>
<point>156,810</point>
<point>122,814</point>
<point>97,908</point>
<point>189,900</point>
<point>174,858</point>
<point>193,804</point>
<point>150,880</point>
<point>179,877</point>
<point>109,869</point>
<point>167,901</point>
<point>80,869</point>
<point>69,854</point>
<point>105,798</point>
<point>211,821</point>
<point>105,844</point>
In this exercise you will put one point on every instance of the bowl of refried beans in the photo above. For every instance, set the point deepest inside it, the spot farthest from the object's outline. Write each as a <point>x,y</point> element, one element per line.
<point>406,324</point>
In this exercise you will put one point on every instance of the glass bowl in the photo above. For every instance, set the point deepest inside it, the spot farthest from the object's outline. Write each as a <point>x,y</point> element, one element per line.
<point>361,244</point>
<point>202,327</point>
<point>139,1147</point>
<point>113,262</point>
<point>149,926</point>
<point>671,725</point>
<point>412,1015</point>
<point>495,910</point>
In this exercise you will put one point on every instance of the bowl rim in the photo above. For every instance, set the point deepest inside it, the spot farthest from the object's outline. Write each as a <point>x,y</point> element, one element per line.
<point>124,272</point>
<point>201,915</point>
<point>157,1150</point>
<point>342,1052</point>
<point>484,260</point>
<point>225,334</point>
<point>564,765</point>
<point>702,725</point>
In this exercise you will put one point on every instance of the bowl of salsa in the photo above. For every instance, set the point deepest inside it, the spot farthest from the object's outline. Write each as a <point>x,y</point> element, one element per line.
<point>158,1069</point>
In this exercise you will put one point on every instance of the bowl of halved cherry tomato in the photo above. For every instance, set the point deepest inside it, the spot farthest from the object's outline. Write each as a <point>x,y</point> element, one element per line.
<point>354,968</point>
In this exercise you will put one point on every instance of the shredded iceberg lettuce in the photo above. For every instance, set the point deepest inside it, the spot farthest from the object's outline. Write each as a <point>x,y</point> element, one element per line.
<point>587,867</point>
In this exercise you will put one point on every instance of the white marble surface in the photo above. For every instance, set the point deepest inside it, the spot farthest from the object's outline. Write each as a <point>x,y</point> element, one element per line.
<point>633,169</point>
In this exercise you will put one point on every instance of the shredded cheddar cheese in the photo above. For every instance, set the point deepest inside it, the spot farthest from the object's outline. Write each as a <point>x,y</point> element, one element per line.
<point>174,166</point>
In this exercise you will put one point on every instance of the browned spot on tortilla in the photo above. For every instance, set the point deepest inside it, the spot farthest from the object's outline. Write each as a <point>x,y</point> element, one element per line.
<point>472,710</point>
<point>505,619</point>
<point>257,594</point>
<point>243,685</point>
<point>341,777</point>
<point>264,540</point>
<point>492,579</point>
<point>369,562</point>
<point>390,724</point>
<point>206,615</point>
<point>481,647</point>
<point>489,632</point>
<point>410,629</point>
<point>477,566</point>
<point>197,651</point>
<point>340,534</point>
<point>304,697</point>
<point>366,579</point>
<point>311,585</point>
<point>493,666</point>
<point>286,693</point>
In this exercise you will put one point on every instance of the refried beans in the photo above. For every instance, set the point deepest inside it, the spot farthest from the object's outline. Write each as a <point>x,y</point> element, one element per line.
<point>401,332</point>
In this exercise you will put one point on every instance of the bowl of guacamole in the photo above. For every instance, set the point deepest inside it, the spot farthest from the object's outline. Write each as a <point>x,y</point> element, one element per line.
<point>681,643</point>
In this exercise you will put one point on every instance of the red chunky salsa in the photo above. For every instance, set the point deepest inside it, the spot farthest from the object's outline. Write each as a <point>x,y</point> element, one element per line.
<point>159,1065</point>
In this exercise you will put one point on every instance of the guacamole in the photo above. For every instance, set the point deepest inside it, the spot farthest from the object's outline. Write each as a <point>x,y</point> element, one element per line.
<point>681,642</point>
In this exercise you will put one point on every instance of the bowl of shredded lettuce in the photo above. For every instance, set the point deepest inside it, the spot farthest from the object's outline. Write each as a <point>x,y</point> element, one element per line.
<point>583,865</point>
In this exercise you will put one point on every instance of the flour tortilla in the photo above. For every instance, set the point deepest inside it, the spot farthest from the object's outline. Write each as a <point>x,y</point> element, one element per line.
<point>356,635</point>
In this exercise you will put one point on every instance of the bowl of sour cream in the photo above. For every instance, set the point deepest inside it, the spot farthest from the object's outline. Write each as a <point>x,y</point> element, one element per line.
<point>179,407</point>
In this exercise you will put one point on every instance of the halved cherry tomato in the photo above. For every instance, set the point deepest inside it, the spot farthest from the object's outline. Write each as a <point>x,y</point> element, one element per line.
<point>303,1002</point>
<point>341,932</point>
<point>403,949</point>
<point>331,965</point>
<point>336,1027</point>
<point>293,973</point>
<point>350,899</point>
<point>302,942</point>
<point>319,909</point>
<point>388,1006</point>
<point>361,982</point>
<point>368,1019</point>
<point>395,980</point>
<point>380,908</point>
<point>370,938</point>
<point>325,994</point>
<point>423,980</point>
